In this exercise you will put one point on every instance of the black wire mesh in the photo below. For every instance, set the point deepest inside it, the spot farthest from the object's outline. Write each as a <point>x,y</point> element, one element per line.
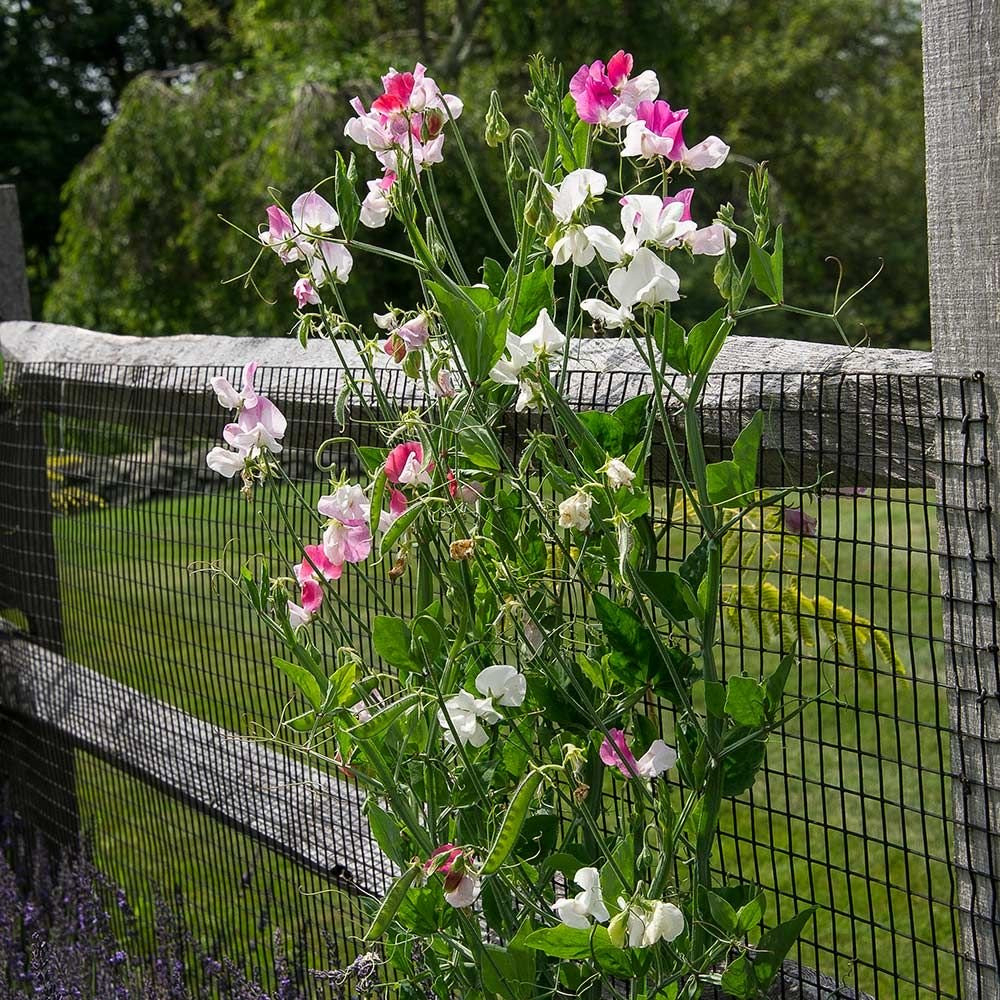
<point>116,528</point>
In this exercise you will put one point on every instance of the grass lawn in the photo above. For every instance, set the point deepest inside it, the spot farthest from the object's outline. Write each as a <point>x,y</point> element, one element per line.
<point>851,812</point>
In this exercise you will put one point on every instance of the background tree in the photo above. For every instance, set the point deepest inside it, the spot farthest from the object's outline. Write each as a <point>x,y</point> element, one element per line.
<point>827,91</point>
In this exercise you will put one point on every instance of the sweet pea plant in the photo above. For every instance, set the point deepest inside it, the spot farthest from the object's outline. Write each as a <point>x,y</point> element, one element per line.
<point>521,688</point>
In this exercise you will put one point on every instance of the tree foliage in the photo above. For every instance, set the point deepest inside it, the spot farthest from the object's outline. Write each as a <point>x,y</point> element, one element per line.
<point>827,91</point>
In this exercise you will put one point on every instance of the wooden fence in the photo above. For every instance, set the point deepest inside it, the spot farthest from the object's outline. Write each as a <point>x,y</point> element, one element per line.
<point>166,746</point>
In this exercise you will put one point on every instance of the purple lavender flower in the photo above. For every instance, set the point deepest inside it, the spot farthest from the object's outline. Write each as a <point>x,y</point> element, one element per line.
<point>798,522</point>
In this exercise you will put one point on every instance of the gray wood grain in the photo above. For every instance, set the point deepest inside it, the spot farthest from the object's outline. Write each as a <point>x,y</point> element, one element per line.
<point>860,415</point>
<point>962,118</point>
<point>306,813</point>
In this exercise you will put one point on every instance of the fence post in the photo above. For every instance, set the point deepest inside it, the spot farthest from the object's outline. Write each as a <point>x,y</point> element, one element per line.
<point>39,763</point>
<point>962,118</point>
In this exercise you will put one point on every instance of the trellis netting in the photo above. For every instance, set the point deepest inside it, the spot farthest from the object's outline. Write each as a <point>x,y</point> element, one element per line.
<point>140,700</point>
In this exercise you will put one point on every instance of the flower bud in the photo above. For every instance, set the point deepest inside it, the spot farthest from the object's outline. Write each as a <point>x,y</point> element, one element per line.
<point>618,928</point>
<point>497,126</point>
<point>433,122</point>
<point>538,208</point>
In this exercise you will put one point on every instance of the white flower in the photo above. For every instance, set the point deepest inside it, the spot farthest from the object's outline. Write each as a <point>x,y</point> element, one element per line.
<point>528,397</point>
<point>225,462</point>
<point>574,191</point>
<point>464,894</point>
<point>333,262</point>
<point>628,922</point>
<point>618,473</point>
<point>645,281</point>
<point>575,511</point>
<point>706,155</point>
<point>386,320</point>
<point>578,911</point>
<point>544,337</point>
<point>581,243</point>
<point>507,369</point>
<point>466,713</point>
<point>504,683</point>
<point>664,923</point>
<point>656,760</point>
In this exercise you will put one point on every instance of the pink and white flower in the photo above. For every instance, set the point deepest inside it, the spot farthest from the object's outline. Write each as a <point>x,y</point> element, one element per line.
<point>706,155</point>
<point>405,465</point>
<point>615,752</point>
<point>313,215</point>
<point>279,234</point>
<point>350,543</point>
<point>305,294</point>
<point>332,262</point>
<point>656,131</point>
<point>226,462</point>
<point>377,207</point>
<point>348,504</point>
<point>460,888</point>
<point>229,397</point>
<point>647,218</point>
<point>315,564</point>
<point>298,615</point>
<point>609,95</point>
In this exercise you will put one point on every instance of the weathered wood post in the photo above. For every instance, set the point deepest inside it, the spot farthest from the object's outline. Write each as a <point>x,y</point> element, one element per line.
<point>962,115</point>
<point>39,762</point>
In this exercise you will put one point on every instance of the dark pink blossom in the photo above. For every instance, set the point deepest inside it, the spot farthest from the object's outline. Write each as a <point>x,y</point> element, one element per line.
<point>798,522</point>
<point>615,752</point>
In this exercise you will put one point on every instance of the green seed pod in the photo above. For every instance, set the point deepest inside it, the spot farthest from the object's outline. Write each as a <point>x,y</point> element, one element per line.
<point>392,902</point>
<point>510,829</point>
<point>497,126</point>
<point>538,208</point>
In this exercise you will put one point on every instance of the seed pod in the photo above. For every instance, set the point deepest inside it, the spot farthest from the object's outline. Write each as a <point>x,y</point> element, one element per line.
<point>510,829</point>
<point>392,902</point>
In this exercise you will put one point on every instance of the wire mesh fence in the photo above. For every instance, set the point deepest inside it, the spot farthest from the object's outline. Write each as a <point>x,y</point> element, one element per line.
<point>118,548</point>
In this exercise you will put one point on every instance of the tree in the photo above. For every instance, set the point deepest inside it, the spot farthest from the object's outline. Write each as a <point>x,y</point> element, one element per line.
<point>826,90</point>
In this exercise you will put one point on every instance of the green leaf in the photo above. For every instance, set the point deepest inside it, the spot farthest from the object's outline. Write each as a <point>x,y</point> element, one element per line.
<point>581,136</point>
<point>722,913</point>
<point>580,943</point>
<point>739,980</point>
<point>706,340</point>
<point>509,972</point>
<point>741,766</point>
<point>672,592</point>
<point>633,415</point>
<point>773,946</point>
<point>623,629</point>
<point>381,721</point>
<point>736,478</point>
<point>696,563</point>
<point>348,203</point>
<point>607,431</point>
<point>671,340</point>
<point>384,830</point>
<point>775,682</point>
<point>473,321</point>
<point>340,691</point>
<point>428,639</point>
<point>536,294</point>
<point>392,640</point>
<point>763,274</point>
<point>478,445</point>
<point>302,679</point>
<point>403,522</point>
<point>778,264</point>
<point>493,276</point>
<point>715,699</point>
<point>745,702</point>
<point>372,458</point>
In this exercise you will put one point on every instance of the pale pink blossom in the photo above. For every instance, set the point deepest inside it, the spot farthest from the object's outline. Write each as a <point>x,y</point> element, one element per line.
<point>333,262</point>
<point>314,560</point>
<point>348,503</point>
<point>305,294</point>
<point>645,218</point>
<point>711,241</point>
<point>706,155</point>
<point>226,462</point>
<point>313,215</point>
<point>376,207</point>
<point>259,426</point>
<point>682,198</point>
<point>350,543</point>
<point>229,397</point>
<point>297,615</point>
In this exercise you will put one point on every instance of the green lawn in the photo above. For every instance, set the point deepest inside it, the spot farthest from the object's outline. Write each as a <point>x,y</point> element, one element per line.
<point>856,798</point>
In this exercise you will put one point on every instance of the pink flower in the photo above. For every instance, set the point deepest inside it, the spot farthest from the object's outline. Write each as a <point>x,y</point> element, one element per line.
<point>656,131</point>
<point>681,198</point>
<point>314,560</point>
<point>711,240</point>
<point>798,522</point>
<point>312,596</point>
<point>305,294</point>
<point>347,504</point>
<point>397,503</point>
<point>259,426</point>
<point>279,235</point>
<point>297,615</point>
<point>707,155</point>
<point>404,465</point>
<point>333,262</point>
<point>229,397</point>
<point>654,762</point>
<point>414,333</point>
<point>615,752</point>
<point>610,95</point>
